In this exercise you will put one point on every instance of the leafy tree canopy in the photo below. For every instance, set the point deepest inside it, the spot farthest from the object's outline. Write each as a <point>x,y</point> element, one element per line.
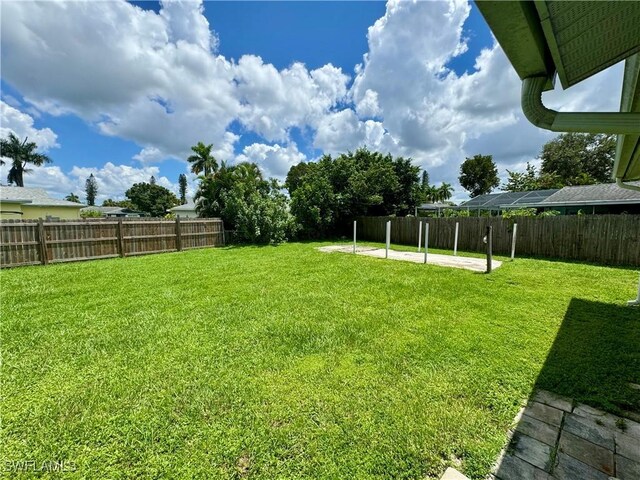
<point>568,159</point>
<point>328,194</point>
<point>118,203</point>
<point>72,197</point>
<point>152,199</point>
<point>579,158</point>
<point>256,209</point>
<point>479,175</point>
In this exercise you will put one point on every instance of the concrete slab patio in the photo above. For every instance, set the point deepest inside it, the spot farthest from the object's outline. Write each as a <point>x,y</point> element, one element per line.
<point>468,263</point>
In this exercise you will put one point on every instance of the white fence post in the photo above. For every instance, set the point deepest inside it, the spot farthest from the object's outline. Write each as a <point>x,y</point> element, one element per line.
<point>513,241</point>
<point>419,235</point>
<point>354,236</point>
<point>455,240</point>
<point>386,253</point>
<point>426,240</point>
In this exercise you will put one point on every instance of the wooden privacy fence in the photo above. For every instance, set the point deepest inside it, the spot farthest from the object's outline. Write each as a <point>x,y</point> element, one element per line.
<point>607,239</point>
<point>33,242</point>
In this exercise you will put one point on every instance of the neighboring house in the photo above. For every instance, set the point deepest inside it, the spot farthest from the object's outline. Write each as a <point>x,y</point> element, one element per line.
<point>188,210</point>
<point>114,211</point>
<point>436,207</point>
<point>33,203</point>
<point>604,198</point>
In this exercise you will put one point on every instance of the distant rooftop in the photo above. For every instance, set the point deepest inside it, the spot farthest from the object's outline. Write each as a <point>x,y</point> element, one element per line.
<point>189,206</point>
<point>509,199</point>
<point>600,194</point>
<point>111,210</point>
<point>588,194</point>
<point>33,196</point>
<point>434,206</point>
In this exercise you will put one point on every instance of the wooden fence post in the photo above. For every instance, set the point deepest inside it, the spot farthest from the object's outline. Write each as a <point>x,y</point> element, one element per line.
<point>178,234</point>
<point>513,241</point>
<point>119,235</point>
<point>42,239</point>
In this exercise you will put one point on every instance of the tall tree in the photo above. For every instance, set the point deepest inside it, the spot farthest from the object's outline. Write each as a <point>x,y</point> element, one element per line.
<point>91,190</point>
<point>333,191</point>
<point>445,191</point>
<point>152,199</point>
<point>182,185</point>
<point>522,181</point>
<point>479,175</point>
<point>256,209</point>
<point>72,197</point>
<point>202,161</point>
<point>579,158</point>
<point>296,175</point>
<point>425,179</point>
<point>21,154</point>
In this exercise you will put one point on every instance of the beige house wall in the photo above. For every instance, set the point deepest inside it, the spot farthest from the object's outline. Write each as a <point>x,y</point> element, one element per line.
<point>10,210</point>
<point>64,213</point>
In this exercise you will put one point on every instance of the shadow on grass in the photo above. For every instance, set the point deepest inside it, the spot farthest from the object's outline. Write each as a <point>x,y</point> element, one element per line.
<point>595,355</point>
<point>592,362</point>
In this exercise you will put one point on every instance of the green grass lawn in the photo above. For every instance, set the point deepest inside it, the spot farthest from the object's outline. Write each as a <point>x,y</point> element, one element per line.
<point>285,362</point>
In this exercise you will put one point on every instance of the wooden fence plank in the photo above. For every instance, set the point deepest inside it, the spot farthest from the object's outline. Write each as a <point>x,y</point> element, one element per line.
<point>29,242</point>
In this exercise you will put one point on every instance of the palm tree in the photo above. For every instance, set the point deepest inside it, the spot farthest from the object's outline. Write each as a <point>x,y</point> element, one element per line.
<point>21,154</point>
<point>431,193</point>
<point>445,192</point>
<point>72,197</point>
<point>203,161</point>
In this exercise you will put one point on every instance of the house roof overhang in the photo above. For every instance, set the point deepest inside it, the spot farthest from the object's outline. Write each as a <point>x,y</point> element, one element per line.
<point>572,41</point>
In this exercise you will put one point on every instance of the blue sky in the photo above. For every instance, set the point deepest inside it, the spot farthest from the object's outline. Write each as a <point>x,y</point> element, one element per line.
<point>122,91</point>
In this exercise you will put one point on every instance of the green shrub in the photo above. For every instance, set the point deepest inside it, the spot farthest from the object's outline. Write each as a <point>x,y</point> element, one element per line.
<point>519,212</point>
<point>91,214</point>
<point>549,213</point>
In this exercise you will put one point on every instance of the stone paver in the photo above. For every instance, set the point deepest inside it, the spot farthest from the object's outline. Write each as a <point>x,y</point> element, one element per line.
<point>627,446</point>
<point>587,452</point>
<point>515,468</point>
<point>588,429</point>
<point>608,420</point>
<point>568,468</point>
<point>553,400</point>
<point>539,430</point>
<point>556,439</point>
<point>468,263</point>
<point>627,469</point>
<point>531,450</point>
<point>545,413</point>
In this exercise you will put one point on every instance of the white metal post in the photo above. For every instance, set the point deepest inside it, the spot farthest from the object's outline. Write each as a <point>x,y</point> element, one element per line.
<point>426,240</point>
<point>455,240</point>
<point>419,235</point>
<point>635,302</point>
<point>354,236</point>
<point>513,241</point>
<point>386,253</point>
